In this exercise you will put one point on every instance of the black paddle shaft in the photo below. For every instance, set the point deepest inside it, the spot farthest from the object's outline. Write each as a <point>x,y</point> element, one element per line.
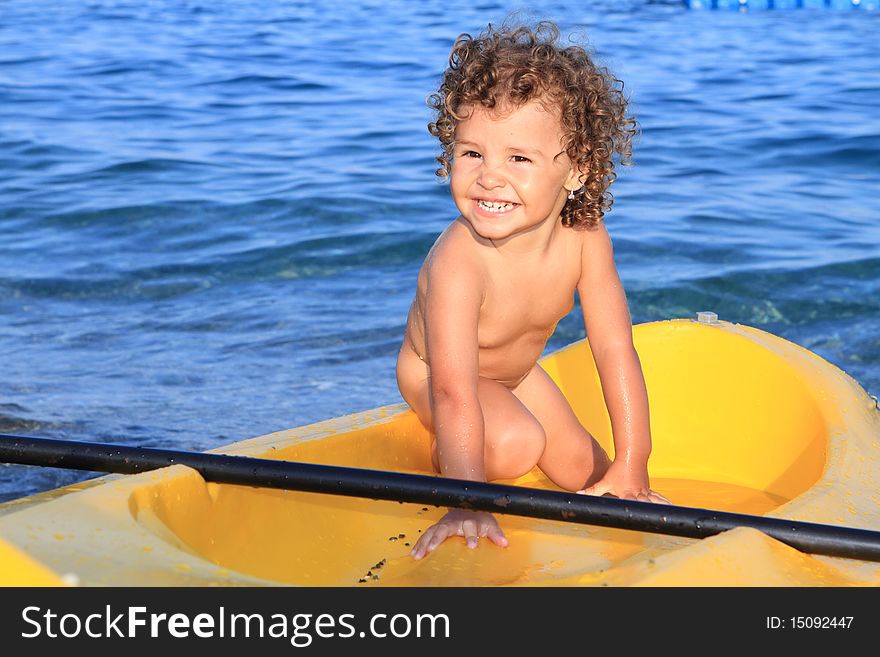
<point>439,491</point>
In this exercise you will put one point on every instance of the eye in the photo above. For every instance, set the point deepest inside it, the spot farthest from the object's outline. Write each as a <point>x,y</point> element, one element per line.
<point>520,158</point>
<point>470,154</point>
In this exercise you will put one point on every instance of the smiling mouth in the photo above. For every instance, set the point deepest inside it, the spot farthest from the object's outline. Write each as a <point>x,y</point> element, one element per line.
<point>495,206</point>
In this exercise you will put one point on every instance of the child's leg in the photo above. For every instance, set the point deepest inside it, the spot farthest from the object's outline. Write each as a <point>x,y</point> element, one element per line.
<point>572,458</point>
<point>513,438</point>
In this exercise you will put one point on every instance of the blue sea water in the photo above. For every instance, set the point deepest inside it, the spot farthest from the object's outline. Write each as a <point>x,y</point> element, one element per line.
<point>212,214</point>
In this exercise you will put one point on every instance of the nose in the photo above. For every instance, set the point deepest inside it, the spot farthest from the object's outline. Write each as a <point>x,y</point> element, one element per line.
<point>489,177</point>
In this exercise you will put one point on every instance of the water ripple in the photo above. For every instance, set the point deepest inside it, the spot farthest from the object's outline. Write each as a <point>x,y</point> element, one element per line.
<point>213,214</point>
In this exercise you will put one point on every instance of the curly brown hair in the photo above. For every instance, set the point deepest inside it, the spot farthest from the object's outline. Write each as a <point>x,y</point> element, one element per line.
<point>511,65</point>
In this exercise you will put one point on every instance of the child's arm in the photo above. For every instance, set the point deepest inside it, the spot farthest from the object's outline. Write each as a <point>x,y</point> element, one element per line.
<point>452,313</point>
<point>609,330</point>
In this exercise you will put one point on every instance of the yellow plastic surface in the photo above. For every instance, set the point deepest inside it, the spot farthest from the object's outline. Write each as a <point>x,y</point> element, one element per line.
<point>18,569</point>
<point>741,420</point>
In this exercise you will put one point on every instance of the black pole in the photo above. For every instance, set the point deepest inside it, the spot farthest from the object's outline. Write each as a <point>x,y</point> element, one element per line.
<point>439,491</point>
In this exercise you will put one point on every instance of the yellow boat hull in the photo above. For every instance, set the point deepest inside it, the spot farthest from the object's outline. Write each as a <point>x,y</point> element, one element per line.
<point>742,421</point>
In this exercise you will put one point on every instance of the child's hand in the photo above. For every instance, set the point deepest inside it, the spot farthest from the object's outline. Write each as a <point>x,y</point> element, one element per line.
<point>627,483</point>
<point>459,522</point>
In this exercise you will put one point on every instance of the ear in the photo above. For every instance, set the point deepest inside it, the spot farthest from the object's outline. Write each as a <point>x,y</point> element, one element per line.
<point>575,180</point>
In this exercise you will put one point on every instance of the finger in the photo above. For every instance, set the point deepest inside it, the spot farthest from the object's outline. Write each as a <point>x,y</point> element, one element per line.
<point>487,521</point>
<point>497,536</point>
<point>441,534</point>
<point>596,489</point>
<point>420,549</point>
<point>469,528</point>
<point>424,545</point>
<point>421,546</point>
<point>658,498</point>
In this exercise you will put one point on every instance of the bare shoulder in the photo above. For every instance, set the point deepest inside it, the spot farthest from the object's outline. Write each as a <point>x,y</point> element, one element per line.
<point>455,256</point>
<point>596,240</point>
<point>597,254</point>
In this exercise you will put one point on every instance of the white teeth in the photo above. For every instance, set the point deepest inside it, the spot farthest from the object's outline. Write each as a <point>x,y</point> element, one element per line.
<point>495,207</point>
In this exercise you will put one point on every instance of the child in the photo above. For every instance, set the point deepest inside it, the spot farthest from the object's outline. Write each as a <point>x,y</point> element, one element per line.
<point>528,130</point>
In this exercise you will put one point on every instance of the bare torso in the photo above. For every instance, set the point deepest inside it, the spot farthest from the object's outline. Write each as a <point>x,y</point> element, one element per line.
<point>523,300</point>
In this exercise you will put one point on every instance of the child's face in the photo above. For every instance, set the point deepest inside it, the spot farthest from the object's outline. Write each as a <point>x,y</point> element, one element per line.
<point>509,170</point>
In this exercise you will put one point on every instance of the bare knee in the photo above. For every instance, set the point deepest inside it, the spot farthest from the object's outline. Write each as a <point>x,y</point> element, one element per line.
<point>598,466</point>
<point>514,450</point>
<point>509,455</point>
<point>576,465</point>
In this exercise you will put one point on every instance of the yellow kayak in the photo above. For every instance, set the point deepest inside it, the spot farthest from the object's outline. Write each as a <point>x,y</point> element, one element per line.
<point>742,421</point>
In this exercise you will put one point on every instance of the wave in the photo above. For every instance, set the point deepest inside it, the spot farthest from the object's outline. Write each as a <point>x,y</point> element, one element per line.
<point>320,257</point>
